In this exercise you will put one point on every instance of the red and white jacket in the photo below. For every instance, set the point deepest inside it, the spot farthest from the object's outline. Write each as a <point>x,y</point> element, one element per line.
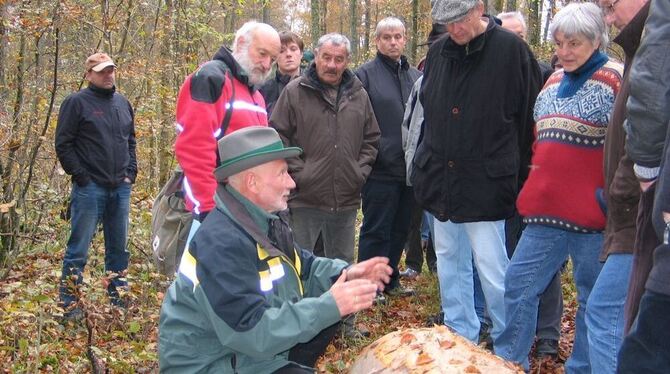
<point>201,107</point>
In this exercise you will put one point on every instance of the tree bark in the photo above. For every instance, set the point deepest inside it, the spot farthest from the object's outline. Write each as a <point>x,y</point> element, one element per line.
<point>366,32</point>
<point>414,36</point>
<point>316,21</point>
<point>353,29</point>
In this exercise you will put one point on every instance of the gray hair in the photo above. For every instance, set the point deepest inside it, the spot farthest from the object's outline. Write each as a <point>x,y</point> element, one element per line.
<point>336,40</point>
<point>514,15</point>
<point>584,19</point>
<point>247,31</point>
<point>389,23</point>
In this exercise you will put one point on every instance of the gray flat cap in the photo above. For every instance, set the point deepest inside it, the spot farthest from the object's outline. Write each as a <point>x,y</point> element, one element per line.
<point>448,11</point>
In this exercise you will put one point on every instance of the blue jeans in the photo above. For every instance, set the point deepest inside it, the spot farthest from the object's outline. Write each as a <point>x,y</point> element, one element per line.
<point>539,255</point>
<point>456,244</point>
<point>604,316</point>
<point>386,213</point>
<point>91,204</point>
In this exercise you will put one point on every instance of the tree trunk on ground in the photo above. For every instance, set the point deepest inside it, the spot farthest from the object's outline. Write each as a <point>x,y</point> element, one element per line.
<point>428,350</point>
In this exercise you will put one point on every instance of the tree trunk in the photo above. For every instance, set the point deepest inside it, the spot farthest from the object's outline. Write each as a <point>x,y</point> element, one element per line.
<point>4,91</point>
<point>510,6</point>
<point>414,35</point>
<point>550,16</point>
<point>316,21</point>
<point>166,132</point>
<point>366,32</point>
<point>324,17</point>
<point>353,29</point>
<point>534,21</point>
<point>265,11</point>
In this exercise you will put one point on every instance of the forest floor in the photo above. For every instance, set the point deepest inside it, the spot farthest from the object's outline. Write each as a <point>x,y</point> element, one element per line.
<point>34,339</point>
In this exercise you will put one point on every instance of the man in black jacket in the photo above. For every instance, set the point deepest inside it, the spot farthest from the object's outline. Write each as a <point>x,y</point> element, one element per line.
<point>387,200</point>
<point>95,144</point>
<point>478,92</point>
<point>288,67</point>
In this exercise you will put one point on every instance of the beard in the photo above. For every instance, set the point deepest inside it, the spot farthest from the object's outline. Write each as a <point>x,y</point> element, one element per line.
<point>256,74</point>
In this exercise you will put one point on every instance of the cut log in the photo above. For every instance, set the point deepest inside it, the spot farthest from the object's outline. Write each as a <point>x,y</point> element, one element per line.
<point>428,350</point>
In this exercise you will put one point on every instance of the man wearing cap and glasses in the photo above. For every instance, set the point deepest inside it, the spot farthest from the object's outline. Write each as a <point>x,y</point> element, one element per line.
<point>478,92</point>
<point>246,299</point>
<point>95,144</point>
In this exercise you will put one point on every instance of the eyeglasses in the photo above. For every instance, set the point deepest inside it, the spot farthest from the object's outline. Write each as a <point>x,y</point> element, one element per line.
<point>609,9</point>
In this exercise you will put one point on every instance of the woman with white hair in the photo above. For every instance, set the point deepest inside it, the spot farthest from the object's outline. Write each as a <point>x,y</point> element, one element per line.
<point>560,199</point>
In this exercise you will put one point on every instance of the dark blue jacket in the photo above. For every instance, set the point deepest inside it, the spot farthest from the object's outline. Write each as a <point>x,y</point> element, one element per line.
<point>95,137</point>
<point>388,84</point>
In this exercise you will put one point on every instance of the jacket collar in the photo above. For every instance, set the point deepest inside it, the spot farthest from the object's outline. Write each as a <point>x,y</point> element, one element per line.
<point>225,55</point>
<point>389,62</point>
<point>260,217</point>
<point>102,92</point>
<point>629,37</point>
<point>312,79</point>
<point>451,49</point>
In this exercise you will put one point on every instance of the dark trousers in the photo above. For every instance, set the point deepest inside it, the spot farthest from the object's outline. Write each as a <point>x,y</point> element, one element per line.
<point>306,354</point>
<point>645,350</point>
<point>646,241</point>
<point>414,252</point>
<point>386,215</point>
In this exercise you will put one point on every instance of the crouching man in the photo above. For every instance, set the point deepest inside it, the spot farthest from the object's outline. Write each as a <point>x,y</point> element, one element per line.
<point>246,299</point>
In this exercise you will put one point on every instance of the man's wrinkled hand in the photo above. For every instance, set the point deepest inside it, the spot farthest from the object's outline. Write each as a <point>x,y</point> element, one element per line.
<point>376,270</point>
<point>352,296</point>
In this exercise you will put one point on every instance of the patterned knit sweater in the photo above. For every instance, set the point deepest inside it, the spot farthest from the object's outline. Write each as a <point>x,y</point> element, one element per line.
<point>571,115</point>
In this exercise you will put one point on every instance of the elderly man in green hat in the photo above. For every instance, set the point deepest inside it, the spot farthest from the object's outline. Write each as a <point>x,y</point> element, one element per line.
<point>246,299</point>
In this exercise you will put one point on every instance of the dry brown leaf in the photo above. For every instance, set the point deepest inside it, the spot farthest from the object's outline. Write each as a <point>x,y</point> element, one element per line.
<point>447,344</point>
<point>472,369</point>
<point>407,338</point>
<point>423,359</point>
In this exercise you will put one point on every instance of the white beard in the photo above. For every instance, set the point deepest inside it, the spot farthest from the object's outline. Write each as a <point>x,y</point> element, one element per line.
<point>256,76</point>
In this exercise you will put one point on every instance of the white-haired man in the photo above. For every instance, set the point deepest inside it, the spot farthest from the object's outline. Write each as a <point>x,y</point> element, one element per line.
<point>220,88</point>
<point>246,299</point>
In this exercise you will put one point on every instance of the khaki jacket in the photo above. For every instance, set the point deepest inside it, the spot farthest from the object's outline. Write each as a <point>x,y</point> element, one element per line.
<point>339,139</point>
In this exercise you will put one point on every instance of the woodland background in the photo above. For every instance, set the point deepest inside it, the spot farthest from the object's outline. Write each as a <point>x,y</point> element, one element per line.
<point>156,44</point>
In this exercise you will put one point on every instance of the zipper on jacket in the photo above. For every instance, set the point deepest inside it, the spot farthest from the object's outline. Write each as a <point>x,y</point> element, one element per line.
<point>233,363</point>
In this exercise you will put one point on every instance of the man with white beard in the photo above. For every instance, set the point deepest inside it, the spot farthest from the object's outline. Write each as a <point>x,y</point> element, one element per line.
<point>217,99</point>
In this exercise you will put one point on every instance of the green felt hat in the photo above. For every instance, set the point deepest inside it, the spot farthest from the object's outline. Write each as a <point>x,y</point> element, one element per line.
<point>249,147</point>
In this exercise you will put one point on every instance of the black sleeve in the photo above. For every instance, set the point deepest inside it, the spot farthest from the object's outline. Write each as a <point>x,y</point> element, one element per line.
<point>132,144</point>
<point>67,129</point>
